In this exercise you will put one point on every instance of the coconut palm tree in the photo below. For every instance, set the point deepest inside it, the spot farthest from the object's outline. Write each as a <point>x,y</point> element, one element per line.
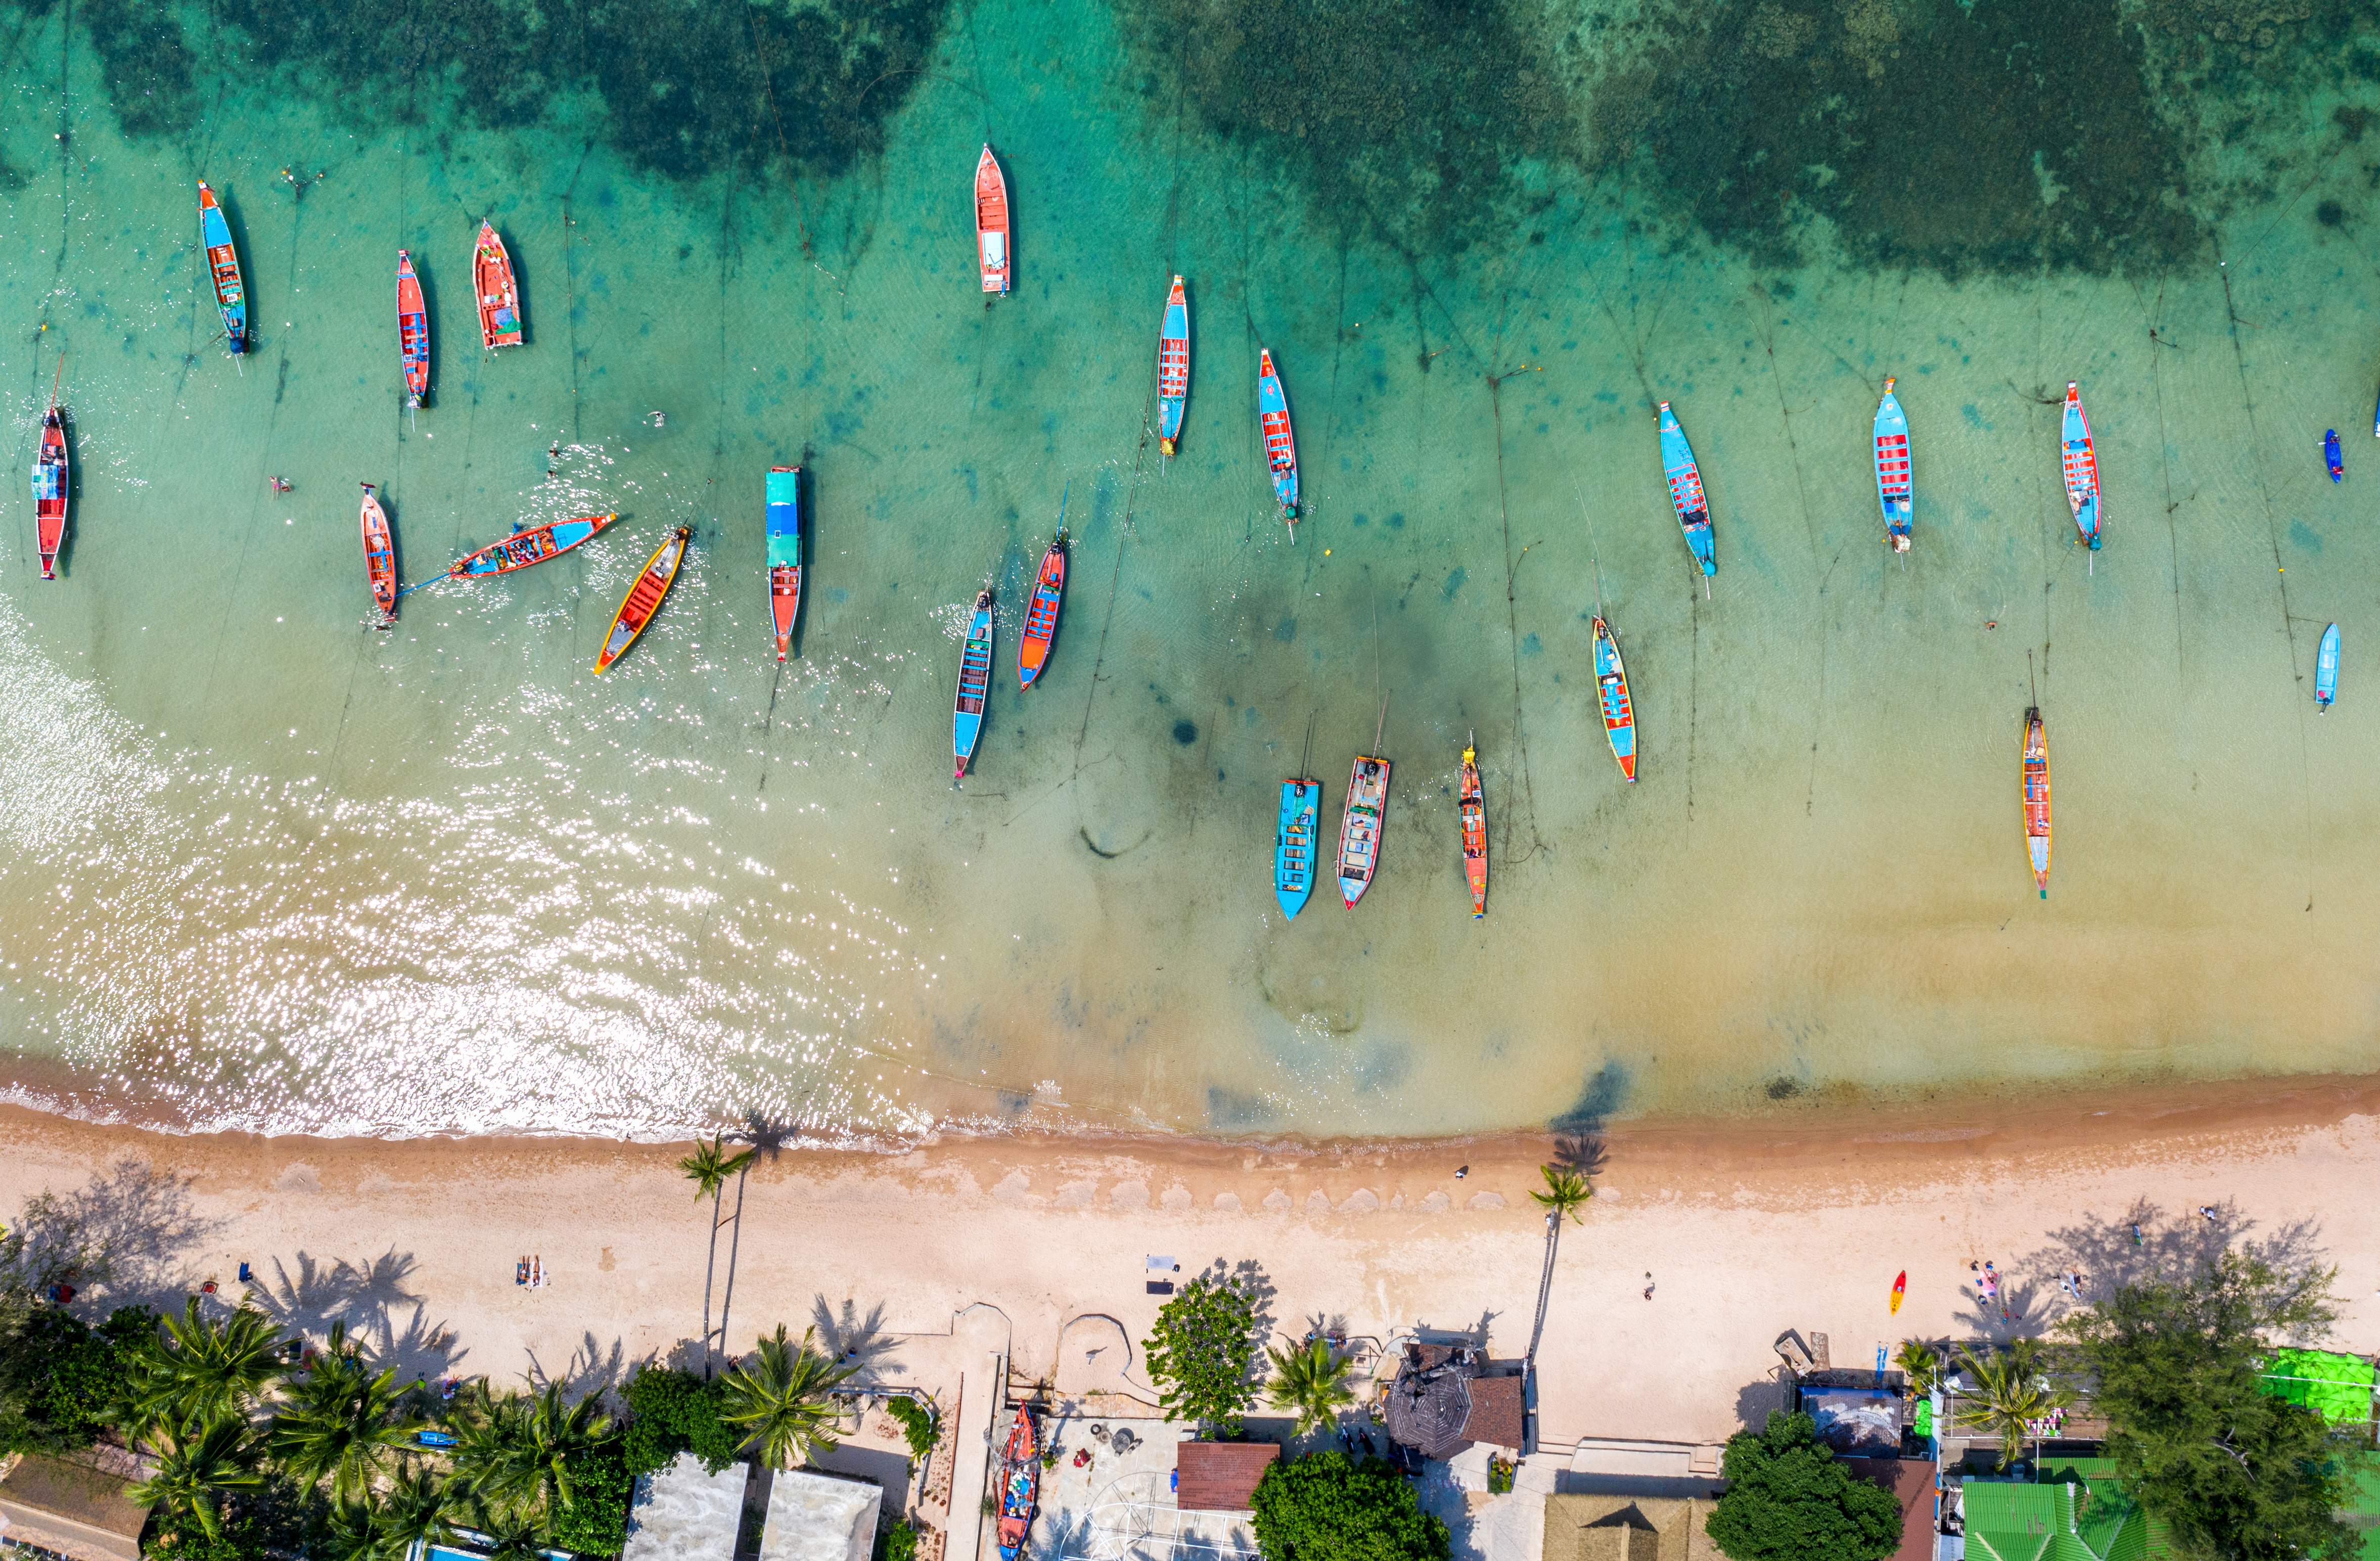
<point>779,1402</point>
<point>340,1421</point>
<point>197,1371</point>
<point>1921,1363</point>
<point>2011,1389</point>
<point>417,1506</point>
<point>1311,1383</point>
<point>495,1458</point>
<point>198,1465</point>
<point>515,1534</point>
<point>561,1436</point>
<point>1565,1191</point>
<point>709,1168</point>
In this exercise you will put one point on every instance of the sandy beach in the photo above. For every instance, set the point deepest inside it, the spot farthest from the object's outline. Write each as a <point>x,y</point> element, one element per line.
<point>1798,1220</point>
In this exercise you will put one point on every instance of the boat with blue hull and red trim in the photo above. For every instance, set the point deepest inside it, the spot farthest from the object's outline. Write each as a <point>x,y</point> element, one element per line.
<point>1686,497</point>
<point>1172,370</point>
<point>1611,690</point>
<point>1293,846</point>
<point>1040,630</point>
<point>2325,669</point>
<point>1281,444</point>
<point>223,267</point>
<point>785,512</point>
<point>2082,459</point>
<point>531,545</point>
<point>975,686</point>
<point>52,484</point>
<point>1894,489</point>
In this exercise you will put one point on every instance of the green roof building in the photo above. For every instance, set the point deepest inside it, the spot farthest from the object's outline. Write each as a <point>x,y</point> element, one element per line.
<point>2077,1513</point>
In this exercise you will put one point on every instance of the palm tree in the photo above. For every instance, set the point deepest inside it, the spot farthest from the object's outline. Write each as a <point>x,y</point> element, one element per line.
<point>197,1371</point>
<point>339,1422</point>
<point>495,1458</point>
<point>709,1168</point>
<point>515,1534</point>
<point>2010,1390</point>
<point>780,1400</point>
<point>1920,1364</point>
<point>1311,1383</point>
<point>198,1465</point>
<point>1566,1190</point>
<point>561,1436</point>
<point>764,1135</point>
<point>417,1506</point>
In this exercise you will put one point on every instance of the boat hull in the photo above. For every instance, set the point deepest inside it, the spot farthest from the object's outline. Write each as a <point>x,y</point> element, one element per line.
<point>380,559</point>
<point>1280,440</point>
<point>223,268</point>
<point>975,688</point>
<point>1172,370</point>
<point>2326,668</point>
<point>1293,843</point>
<point>523,549</point>
<point>1473,807</point>
<point>1612,693</point>
<point>1041,630</point>
<point>2081,462</point>
<point>1020,1478</point>
<point>1686,497</point>
<point>644,599</point>
<point>2331,456</point>
<point>2036,799</point>
<point>1895,491</point>
<point>499,291</point>
<point>412,332</point>
<point>991,223</point>
<point>784,520</point>
<point>1360,825</point>
<point>52,487</point>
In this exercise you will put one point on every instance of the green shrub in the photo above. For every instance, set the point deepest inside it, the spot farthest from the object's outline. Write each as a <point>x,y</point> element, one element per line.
<point>594,1521</point>
<point>1499,1476</point>
<point>1327,1507</point>
<point>920,1424</point>
<point>59,1376</point>
<point>671,1413</point>
<point>897,1540</point>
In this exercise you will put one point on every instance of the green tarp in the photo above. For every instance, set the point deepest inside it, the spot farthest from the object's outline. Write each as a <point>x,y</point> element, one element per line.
<point>2338,1388</point>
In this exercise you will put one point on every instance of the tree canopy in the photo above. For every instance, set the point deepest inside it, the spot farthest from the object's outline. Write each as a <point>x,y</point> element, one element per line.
<point>1788,1498</point>
<point>2235,1473</point>
<point>1202,1353</point>
<point>1328,1506</point>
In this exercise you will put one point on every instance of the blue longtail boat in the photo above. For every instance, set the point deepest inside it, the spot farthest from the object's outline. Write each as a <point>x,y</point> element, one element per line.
<point>534,545</point>
<point>2081,468</point>
<point>223,264</point>
<point>785,553</point>
<point>1172,370</point>
<point>1281,445</point>
<point>2330,455</point>
<point>1292,850</point>
<point>2325,669</point>
<point>1612,688</point>
<point>1686,491</point>
<point>1894,489</point>
<point>975,686</point>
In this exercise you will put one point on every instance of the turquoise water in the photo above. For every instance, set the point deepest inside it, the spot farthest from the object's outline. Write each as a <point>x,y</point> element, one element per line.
<point>262,868</point>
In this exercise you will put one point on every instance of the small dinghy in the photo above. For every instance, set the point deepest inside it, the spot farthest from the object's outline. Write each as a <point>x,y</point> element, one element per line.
<point>644,599</point>
<point>2036,798</point>
<point>1474,831</point>
<point>534,545</point>
<point>975,686</point>
<point>785,553</point>
<point>1041,614</point>
<point>2330,455</point>
<point>223,264</point>
<point>412,332</point>
<point>2081,470</point>
<point>492,273</point>
<point>1894,490</point>
<point>1612,688</point>
<point>1686,491</point>
<point>991,222</point>
<point>2325,669</point>
<point>1172,369</point>
<point>51,482</point>
<point>1281,445</point>
<point>380,559</point>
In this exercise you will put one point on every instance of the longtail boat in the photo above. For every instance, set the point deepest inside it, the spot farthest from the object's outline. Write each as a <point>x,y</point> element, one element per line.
<point>2330,455</point>
<point>2082,469</point>
<point>1281,445</point>
<point>1293,846</point>
<point>1474,831</point>
<point>534,545</point>
<point>1612,687</point>
<point>644,598</point>
<point>991,222</point>
<point>1041,613</point>
<point>2036,798</point>
<point>1172,369</point>
<point>380,559</point>
<point>1359,826</point>
<point>1893,487</point>
<point>1686,491</point>
<point>2325,669</point>
<point>1020,1476</point>
<point>222,263</point>
<point>412,330</point>
<point>491,274</point>
<point>975,686</point>
<point>785,553</point>
<point>52,483</point>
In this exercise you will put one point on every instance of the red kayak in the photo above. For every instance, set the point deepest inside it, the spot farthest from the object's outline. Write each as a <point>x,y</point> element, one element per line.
<point>380,559</point>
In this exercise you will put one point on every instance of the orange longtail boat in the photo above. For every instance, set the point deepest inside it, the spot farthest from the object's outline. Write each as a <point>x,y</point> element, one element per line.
<point>2036,798</point>
<point>492,273</point>
<point>1474,831</point>
<point>991,222</point>
<point>380,559</point>
<point>644,598</point>
<point>1041,614</point>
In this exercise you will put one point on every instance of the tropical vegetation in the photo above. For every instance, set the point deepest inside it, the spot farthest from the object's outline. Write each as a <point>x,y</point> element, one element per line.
<point>1202,1354</point>
<point>2011,1393</point>
<point>779,1399</point>
<point>710,1168</point>
<point>1788,1498</point>
<point>1566,1190</point>
<point>1328,1506</point>
<point>1310,1384</point>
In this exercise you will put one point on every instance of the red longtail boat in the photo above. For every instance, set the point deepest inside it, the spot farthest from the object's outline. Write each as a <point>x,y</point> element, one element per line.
<point>51,481</point>
<point>1474,808</point>
<point>491,274</point>
<point>1041,613</point>
<point>380,559</point>
<point>2036,799</point>
<point>785,553</point>
<point>991,222</point>
<point>412,332</point>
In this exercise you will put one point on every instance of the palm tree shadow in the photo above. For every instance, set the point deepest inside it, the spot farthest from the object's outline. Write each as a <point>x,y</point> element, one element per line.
<point>1583,1152</point>
<point>765,1137</point>
<point>849,1340</point>
<point>420,1350</point>
<point>308,1302</point>
<point>592,1369</point>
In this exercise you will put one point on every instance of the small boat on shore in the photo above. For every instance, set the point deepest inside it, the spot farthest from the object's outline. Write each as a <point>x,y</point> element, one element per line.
<point>1020,1477</point>
<point>1611,689</point>
<point>2325,669</point>
<point>1474,831</point>
<point>2081,470</point>
<point>1172,369</point>
<point>975,686</point>
<point>380,559</point>
<point>1292,847</point>
<point>644,599</point>
<point>2330,455</point>
<point>1041,614</point>
<point>785,553</point>
<point>412,332</point>
<point>534,545</point>
<point>1281,444</point>
<point>1894,489</point>
<point>52,481</point>
<point>1686,491</point>
<point>1359,826</point>
<point>223,264</point>
<point>991,222</point>
<point>491,274</point>
<point>2036,798</point>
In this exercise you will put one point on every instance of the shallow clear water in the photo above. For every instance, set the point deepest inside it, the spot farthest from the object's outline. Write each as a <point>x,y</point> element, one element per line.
<point>261,867</point>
